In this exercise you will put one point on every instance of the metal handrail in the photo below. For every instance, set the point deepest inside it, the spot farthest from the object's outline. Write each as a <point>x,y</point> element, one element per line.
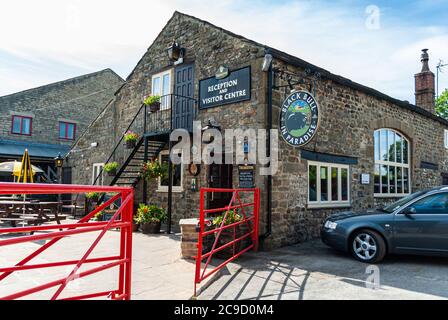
<point>169,119</point>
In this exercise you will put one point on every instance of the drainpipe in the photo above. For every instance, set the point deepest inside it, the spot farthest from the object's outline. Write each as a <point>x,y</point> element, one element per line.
<point>270,84</point>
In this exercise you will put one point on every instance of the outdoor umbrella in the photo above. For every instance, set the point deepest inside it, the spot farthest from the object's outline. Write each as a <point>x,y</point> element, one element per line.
<point>13,167</point>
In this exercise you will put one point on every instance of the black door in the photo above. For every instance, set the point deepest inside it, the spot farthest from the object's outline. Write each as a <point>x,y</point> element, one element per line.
<point>66,179</point>
<point>219,176</point>
<point>426,229</point>
<point>183,111</point>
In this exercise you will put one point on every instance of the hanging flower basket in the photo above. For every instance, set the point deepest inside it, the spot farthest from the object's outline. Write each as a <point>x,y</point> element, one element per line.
<point>153,102</point>
<point>153,170</point>
<point>130,139</point>
<point>111,168</point>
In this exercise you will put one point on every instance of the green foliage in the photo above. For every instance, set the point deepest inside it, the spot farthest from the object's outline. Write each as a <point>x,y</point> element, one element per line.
<point>154,169</point>
<point>150,213</point>
<point>442,104</point>
<point>130,136</point>
<point>92,195</point>
<point>110,167</point>
<point>232,217</point>
<point>98,216</point>
<point>150,100</point>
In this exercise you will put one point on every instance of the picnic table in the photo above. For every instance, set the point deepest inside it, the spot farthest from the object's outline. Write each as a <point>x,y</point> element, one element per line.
<point>32,212</point>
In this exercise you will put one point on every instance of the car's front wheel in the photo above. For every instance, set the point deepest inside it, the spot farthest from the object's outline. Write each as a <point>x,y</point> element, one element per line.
<point>367,246</point>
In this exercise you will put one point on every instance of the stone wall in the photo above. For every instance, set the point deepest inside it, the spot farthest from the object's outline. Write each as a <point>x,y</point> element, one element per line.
<point>208,48</point>
<point>77,100</point>
<point>348,119</point>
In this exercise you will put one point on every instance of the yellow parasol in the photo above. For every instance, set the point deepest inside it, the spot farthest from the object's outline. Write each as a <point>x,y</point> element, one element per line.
<point>24,171</point>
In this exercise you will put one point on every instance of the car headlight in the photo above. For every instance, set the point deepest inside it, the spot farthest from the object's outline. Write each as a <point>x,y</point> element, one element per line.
<point>331,225</point>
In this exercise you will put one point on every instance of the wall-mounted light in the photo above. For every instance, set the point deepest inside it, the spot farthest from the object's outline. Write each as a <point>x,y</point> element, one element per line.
<point>176,53</point>
<point>58,161</point>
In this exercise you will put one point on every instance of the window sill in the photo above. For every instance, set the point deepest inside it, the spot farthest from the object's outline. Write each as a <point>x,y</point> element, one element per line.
<point>385,195</point>
<point>328,205</point>
<point>175,189</point>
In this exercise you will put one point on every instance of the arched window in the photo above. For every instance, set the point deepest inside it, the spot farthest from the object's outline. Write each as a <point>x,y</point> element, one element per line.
<point>392,157</point>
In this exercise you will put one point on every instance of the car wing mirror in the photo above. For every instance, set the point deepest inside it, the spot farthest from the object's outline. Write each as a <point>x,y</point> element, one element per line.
<point>409,211</point>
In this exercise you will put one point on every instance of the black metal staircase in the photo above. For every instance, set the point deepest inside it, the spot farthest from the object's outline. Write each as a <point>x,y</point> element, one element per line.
<point>153,128</point>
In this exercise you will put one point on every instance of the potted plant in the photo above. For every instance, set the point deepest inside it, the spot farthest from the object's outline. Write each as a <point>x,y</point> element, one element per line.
<point>154,169</point>
<point>98,216</point>
<point>111,168</point>
<point>93,196</point>
<point>135,224</point>
<point>153,102</point>
<point>131,139</point>
<point>150,218</point>
<point>229,234</point>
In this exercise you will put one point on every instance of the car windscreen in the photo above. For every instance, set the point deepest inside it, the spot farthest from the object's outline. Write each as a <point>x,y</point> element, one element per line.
<point>398,204</point>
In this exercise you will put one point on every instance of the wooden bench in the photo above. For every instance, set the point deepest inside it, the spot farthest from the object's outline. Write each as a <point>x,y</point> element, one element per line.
<point>13,221</point>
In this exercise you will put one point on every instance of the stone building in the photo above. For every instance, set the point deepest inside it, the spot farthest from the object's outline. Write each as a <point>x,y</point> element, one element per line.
<point>357,149</point>
<point>47,120</point>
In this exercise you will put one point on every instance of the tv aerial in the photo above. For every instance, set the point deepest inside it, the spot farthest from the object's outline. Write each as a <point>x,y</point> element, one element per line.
<point>439,68</point>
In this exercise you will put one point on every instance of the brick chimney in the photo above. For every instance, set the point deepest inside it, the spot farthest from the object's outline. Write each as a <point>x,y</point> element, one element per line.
<point>424,85</point>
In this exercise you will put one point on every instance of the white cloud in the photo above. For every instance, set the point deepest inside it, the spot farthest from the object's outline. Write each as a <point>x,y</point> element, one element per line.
<point>83,36</point>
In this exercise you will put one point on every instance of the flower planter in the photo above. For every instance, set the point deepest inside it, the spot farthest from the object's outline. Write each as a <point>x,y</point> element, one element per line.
<point>154,107</point>
<point>130,144</point>
<point>112,173</point>
<point>135,227</point>
<point>151,227</point>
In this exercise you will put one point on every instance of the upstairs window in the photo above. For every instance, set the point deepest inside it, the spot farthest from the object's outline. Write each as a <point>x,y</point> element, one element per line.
<point>445,136</point>
<point>67,130</point>
<point>161,86</point>
<point>21,125</point>
<point>392,170</point>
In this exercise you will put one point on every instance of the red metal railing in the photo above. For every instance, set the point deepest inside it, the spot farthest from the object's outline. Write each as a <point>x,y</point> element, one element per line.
<point>249,212</point>
<point>121,219</point>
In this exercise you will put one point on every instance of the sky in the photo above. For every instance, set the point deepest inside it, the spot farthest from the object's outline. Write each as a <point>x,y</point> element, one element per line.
<point>376,43</point>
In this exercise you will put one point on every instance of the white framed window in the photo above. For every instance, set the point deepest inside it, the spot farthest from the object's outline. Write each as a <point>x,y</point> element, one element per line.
<point>392,175</point>
<point>97,168</point>
<point>161,85</point>
<point>178,174</point>
<point>445,136</point>
<point>328,184</point>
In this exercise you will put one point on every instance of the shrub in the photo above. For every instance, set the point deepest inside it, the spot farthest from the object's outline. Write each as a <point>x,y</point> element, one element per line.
<point>150,213</point>
<point>98,216</point>
<point>232,217</point>
<point>92,195</point>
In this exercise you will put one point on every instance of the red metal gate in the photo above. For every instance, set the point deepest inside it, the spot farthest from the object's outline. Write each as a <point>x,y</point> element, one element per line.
<point>121,219</point>
<point>249,213</point>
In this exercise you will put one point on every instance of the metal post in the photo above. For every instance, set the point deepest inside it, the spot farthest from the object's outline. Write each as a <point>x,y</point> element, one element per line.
<point>170,169</point>
<point>145,183</point>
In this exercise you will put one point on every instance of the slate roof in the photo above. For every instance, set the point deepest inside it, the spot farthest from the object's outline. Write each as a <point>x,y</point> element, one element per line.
<point>35,149</point>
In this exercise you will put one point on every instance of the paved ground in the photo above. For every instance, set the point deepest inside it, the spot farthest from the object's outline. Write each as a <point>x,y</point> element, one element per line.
<point>158,270</point>
<point>306,271</point>
<point>314,271</point>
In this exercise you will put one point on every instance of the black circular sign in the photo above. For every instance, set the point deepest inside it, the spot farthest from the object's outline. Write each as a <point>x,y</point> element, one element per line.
<point>299,118</point>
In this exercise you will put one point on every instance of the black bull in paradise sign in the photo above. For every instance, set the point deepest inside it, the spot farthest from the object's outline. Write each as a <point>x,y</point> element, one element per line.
<point>299,118</point>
